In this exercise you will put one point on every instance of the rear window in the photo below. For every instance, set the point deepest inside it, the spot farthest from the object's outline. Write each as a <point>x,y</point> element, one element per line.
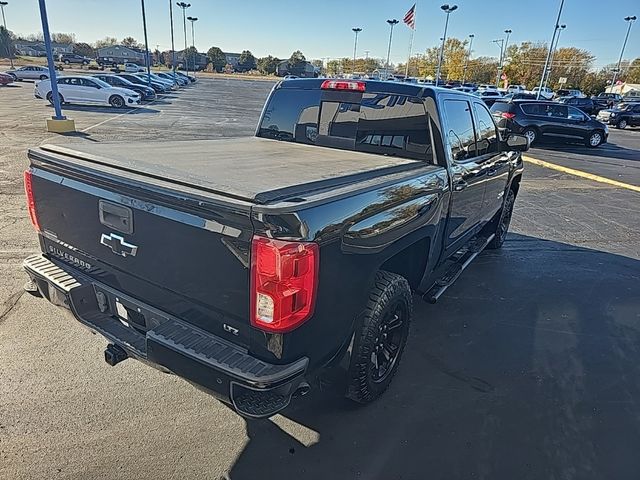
<point>379,123</point>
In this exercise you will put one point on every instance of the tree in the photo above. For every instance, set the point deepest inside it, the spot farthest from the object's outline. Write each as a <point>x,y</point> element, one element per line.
<point>595,82</point>
<point>217,58</point>
<point>7,48</point>
<point>268,65</point>
<point>106,42</point>
<point>296,59</point>
<point>130,42</point>
<point>246,62</point>
<point>158,57</point>
<point>191,57</point>
<point>66,38</point>
<point>34,37</point>
<point>84,49</point>
<point>632,75</point>
<point>482,70</point>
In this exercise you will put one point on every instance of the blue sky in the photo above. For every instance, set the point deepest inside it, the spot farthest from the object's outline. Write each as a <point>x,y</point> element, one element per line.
<point>322,28</point>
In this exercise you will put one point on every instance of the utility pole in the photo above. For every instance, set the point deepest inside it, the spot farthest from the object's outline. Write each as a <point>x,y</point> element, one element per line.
<point>503,54</point>
<point>392,23</point>
<point>193,42</point>
<point>553,38</point>
<point>184,7</point>
<point>553,54</point>
<point>466,61</point>
<point>146,45</point>
<point>356,30</point>
<point>4,21</point>
<point>630,21</point>
<point>448,10</point>
<point>500,43</point>
<point>173,47</point>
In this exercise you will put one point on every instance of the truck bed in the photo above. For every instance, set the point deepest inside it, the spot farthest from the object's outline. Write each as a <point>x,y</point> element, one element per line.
<point>251,169</point>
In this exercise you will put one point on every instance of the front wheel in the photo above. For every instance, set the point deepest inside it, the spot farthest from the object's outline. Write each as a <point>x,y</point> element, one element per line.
<point>531,134</point>
<point>43,77</point>
<point>50,98</point>
<point>504,220</point>
<point>116,101</point>
<point>622,124</point>
<point>380,337</point>
<point>595,139</point>
<point>66,62</point>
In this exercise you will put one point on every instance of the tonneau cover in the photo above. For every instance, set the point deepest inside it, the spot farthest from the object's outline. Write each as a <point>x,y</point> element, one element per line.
<point>248,168</point>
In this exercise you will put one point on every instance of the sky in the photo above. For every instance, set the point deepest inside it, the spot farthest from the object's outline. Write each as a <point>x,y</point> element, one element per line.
<point>322,28</point>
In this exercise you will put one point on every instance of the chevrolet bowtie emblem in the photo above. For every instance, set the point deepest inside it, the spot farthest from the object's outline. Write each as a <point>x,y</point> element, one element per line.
<point>118,245</point>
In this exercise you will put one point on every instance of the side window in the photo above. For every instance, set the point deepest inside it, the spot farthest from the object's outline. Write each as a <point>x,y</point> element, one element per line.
<point>636,109</point>
<point>575,114</point>
<point>460,133</point>
<point>486,133</point>
<point>75,81</point>
<point>89,83</point>
<point>557,111</point>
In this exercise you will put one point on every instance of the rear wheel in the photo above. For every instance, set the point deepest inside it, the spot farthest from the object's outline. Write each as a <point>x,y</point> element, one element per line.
<point>622,124</point>
<point>66,62</point>
<point>380,338</point>
<point>43,77</point>
<point>595,139</point>
<point>116,101</point>
<point>531,134</point>
<point>50,98</point>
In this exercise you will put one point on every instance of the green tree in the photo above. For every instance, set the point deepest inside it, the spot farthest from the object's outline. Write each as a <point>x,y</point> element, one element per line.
<point>334,67</point>
<point>66,38</point>
<point>296,59</point>
<point>84,49</point>
<point>129,42</point>
<point>191,57</point>
<point>482,70</point>
<point>595,82</point>
<point>268,65</point>
<point>217,58</point>
<point>246,62</point>
<point>106,42</point>
<point>632,74</point>
<point>7,48</point>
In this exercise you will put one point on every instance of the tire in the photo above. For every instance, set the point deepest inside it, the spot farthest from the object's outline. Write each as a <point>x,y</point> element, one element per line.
<point>595,139</point>
<point>66,62</point>
<point>43,77</point>
<point>116,101</point>
<point>622,124</point>
<point>531,134</point>
<point>50,98</point>
<point>388,309</point>
<point>504,219</point>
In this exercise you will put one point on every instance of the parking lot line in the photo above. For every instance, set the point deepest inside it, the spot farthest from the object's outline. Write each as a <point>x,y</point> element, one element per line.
<point>114,117</point>
<point>580,173</point>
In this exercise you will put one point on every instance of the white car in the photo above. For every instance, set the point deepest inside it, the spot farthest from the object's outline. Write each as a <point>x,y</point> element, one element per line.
<point>546,93</point>
<point>30,72</point>
<point>133,68</point>
<point>88,90</point>
<point>516,89</point>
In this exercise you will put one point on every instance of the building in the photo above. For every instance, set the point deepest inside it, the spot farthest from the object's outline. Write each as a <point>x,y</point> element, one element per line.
<point>304,69</point>
<point>232,59</point>
<point>201,60</point>
<point>119,54</point>
<point>37,49</point>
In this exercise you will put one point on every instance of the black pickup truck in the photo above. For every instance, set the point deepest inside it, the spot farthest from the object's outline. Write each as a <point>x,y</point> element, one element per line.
<point>250,265</point>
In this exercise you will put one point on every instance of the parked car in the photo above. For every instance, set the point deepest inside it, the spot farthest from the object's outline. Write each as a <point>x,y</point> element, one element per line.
<point>587,105</point>
<point>569,92</point>
<point>622,115</point>
<point>68,58</point>
<point>167,83</point>
<point>290,77</point>
<point>519,96</point>
<point>281,255</point>
<point>87,90</point>
<point>6,79</point>
<point>545,121</point>
<point>174,79</point>
<point>146,93</point>
<point>486,87</point>
<point>191,78</point>
<point>516,89</point>
<point>488,96</point>
<point>464,89</point>
<point>133,68</point>
<point>157,86</point>
<point>30,72</point>
<point>607,100</point>
<point>545,93</point>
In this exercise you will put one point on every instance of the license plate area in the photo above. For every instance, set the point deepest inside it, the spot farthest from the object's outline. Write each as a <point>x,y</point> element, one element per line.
<point>127,310</point>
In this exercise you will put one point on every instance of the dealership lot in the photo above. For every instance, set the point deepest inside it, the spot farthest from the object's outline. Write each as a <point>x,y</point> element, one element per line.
<point>529,367</point>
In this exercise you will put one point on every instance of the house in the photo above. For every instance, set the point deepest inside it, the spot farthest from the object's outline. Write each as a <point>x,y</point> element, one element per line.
<point>304,69</point>
<point>119,54</point>
<point>37,49</point>
<point>232,59</point>
<point>201,60</point>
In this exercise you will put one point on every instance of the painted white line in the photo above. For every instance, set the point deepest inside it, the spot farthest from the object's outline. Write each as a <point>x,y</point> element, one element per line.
<point>118,116</point>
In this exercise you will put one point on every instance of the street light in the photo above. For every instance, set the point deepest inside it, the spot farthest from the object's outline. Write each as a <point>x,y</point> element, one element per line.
<point>146,45</point>
<point>559,29</point>
<point>173,47</point>
<point>553,38</point>
<point>503,53</point>
<point>193,41</point>
<point>447,9</point>
<point>392,23</point>
<point>4,21</point>
<point>184,7</point>
<point>466,61</point>
<point>500,43</point>
<point>356,30</point>
<point>630,21</point>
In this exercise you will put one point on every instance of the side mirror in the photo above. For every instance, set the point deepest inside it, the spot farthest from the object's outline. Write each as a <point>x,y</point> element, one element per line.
<point>517,143</point>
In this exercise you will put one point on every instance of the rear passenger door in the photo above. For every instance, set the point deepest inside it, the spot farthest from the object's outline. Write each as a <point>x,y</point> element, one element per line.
<point>468,173</point>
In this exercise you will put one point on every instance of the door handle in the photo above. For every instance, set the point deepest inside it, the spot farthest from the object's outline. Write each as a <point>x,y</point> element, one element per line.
<point>460,185</point>
<point>492,172</point>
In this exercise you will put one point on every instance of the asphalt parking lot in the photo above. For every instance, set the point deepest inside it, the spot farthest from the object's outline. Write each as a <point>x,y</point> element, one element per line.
<point>527,368</point>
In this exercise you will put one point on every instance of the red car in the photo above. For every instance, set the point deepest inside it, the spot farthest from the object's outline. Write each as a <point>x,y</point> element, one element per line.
<point>5,79</point>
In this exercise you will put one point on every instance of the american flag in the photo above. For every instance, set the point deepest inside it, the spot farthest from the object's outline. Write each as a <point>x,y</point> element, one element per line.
<point>410,17</point>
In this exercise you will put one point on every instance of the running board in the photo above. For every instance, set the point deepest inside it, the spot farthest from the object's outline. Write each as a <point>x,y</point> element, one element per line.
<point>472,251</point>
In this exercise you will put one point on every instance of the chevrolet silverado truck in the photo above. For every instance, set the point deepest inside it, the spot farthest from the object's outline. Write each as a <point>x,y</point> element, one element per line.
<point>248,266</point>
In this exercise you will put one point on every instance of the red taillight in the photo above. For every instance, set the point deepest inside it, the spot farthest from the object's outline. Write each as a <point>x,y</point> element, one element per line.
<point>343,85</point>
<point>508,115</point>
<point>31,202</point>
<point>283,283</point>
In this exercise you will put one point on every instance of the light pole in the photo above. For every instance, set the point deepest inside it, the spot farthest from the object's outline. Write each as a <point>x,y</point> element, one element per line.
<point>546,62</point>
<point>500,43</point>
<point>630,21</point>
<point>4,21</point>
<point>392,23</point>
<point>447,9</point>
<point>466,61</point>
<point>184,7</point>
<point>173,47</point>
<point>356,30</point>
<point>559,28</point>
<point>146,45</point>
<point>193,41</point>
<point>503,54</point>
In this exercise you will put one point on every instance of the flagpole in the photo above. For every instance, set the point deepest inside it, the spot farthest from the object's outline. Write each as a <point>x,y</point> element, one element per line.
<point>413,30</point>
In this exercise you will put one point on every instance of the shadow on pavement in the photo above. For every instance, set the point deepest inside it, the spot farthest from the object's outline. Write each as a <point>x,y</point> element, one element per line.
<point>527,368</point>
<point>105,109</point>
<point>607,150</point>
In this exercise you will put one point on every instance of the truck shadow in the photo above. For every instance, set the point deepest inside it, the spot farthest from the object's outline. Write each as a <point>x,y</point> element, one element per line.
<point>607,150</point>
<point>528,368</point>
<point>106,109</point>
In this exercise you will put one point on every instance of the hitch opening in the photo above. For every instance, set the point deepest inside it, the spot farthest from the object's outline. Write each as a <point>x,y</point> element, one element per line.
<point>114,354</point>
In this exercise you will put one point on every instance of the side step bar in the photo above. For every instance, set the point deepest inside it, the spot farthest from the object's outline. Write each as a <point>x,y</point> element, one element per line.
<point>449,278</point>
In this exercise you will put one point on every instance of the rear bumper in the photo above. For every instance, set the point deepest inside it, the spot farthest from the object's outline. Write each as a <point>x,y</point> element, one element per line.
<point>253,387</point>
